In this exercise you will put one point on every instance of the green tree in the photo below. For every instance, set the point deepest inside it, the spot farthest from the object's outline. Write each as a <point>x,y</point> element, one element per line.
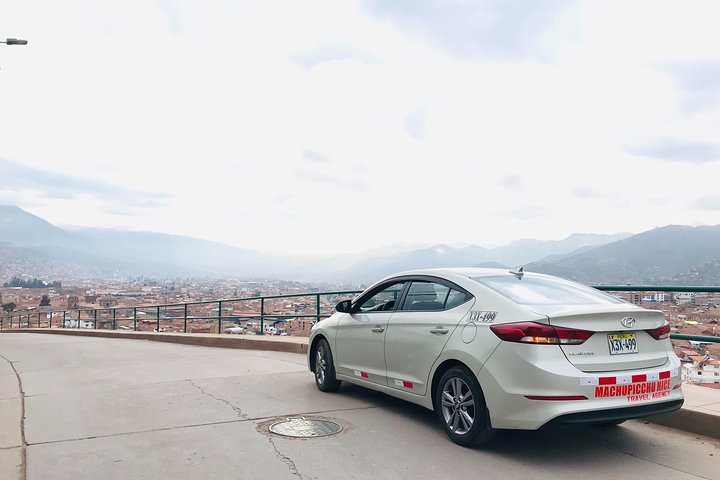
<point>9,307</point>
<point>45,301</point>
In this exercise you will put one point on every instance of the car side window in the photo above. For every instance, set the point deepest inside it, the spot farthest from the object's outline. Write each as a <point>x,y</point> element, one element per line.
<point>383,300</point>
<point>430,296</point>
<point>455,298</point>
<point>426,296</point>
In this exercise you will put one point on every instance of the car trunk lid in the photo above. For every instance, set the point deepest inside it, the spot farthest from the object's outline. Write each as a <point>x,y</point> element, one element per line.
<point>621,340</point>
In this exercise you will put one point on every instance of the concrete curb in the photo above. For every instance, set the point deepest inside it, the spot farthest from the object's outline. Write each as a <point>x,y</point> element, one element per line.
<point>690,421</point>
<point>284,344</point>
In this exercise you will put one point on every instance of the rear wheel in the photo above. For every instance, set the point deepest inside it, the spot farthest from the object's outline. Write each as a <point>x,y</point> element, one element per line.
<point>460,406</point>
<point>324,368</point>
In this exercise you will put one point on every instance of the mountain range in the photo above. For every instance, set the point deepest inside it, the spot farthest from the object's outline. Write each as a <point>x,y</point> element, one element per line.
<point>31,246</point>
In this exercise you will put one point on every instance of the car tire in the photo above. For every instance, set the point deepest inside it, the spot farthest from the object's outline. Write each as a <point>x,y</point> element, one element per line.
<point>460,406</point>
<point>325,368</point>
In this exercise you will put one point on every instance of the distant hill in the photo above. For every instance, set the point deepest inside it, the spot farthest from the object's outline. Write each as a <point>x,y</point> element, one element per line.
<point>188,254</point>
<point>673,254</point>
<point>22,228</point>
<point>334,267</point>
<point>436,256</point>
<point>665,255</point>
<point>524,251</point>
<point>33,246</point>
<point>517,253</point>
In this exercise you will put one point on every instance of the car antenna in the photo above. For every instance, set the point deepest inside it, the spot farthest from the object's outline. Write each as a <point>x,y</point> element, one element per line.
<point>518,273</point>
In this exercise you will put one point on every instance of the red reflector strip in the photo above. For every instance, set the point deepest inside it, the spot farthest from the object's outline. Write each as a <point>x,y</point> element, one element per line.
<point>625,380</point>
<point>363,374</point>
<point>555,398</point>
<point>407,384</point>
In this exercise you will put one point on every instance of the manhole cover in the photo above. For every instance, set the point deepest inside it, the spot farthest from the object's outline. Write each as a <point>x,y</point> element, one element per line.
<point>305,428</point>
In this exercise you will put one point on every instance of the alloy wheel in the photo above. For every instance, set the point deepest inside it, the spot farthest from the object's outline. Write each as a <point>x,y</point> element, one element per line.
<point>458,406</point>
<point>320,365</point>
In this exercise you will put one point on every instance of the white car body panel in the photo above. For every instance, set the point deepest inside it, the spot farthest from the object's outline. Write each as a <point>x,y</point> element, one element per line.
<point>407,365</point>
<point>361,348</point>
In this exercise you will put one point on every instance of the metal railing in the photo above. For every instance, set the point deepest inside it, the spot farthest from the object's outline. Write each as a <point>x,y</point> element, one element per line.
<point>207,316</point>
<point>197,317</point>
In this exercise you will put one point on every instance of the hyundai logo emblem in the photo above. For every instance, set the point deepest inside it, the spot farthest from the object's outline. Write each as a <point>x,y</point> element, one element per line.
<point>628,322</point>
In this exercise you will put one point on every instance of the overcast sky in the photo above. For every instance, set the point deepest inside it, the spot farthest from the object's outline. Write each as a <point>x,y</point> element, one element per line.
<point>334,126</point>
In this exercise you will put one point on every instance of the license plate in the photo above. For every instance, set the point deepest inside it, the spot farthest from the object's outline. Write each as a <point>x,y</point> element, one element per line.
<point>622,343</point>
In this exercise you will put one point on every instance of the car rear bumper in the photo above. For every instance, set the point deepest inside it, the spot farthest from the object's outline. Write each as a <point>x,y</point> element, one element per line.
<point>618,414</point>
<point>560,393</point>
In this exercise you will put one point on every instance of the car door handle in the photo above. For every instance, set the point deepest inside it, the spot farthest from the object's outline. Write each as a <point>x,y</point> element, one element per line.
<point>378,328</point>
<point>439,330</point>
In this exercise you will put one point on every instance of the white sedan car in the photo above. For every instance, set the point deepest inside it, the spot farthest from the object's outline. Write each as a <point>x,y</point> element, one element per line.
<point>491,349</point>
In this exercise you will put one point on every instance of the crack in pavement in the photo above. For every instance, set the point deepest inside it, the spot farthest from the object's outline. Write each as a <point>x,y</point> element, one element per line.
<point>23,450</point>
<point>236,409</point>
<point>286,460</point>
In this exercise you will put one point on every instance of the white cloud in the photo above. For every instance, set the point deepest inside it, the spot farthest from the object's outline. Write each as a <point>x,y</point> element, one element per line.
<point>261,124</point>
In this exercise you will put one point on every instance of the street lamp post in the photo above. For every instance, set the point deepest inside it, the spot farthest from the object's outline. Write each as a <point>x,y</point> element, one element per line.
<point>14,41</point>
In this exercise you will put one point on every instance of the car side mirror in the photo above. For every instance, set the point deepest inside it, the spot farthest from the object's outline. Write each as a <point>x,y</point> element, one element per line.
<point>344,307</point>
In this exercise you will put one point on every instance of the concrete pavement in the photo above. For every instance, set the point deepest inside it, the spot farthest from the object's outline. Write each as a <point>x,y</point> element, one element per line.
<point>700,413</point>
<point>122,409</point>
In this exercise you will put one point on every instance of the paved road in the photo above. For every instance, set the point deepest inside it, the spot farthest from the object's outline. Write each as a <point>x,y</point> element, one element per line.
<point>108,409</point>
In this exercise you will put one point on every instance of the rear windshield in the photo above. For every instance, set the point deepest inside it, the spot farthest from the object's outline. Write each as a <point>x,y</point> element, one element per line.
<point>546,291</point>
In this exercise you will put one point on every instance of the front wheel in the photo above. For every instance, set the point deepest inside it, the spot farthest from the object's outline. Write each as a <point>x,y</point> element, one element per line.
<point>325,368</point>
<point>460,406</point>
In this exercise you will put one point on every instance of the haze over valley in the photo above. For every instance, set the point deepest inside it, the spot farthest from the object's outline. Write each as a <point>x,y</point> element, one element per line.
<point>32,247</point>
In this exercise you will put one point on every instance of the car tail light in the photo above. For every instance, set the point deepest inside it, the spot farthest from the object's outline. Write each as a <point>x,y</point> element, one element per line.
<point>660,333</point>
<point>531,332</point>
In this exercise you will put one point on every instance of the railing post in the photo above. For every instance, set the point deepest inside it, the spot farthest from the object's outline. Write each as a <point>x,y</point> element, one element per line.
<point>38,319</point>
<point>262,316</point>
<point>219,317</point>
<point>95,318</point>
<point>114,318</point>
<point>134,319</point>
<point>185,321</point>
<point>317,307</point>
<point>78,319</point>
<point>50,322</point>
<point>157,319</point>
